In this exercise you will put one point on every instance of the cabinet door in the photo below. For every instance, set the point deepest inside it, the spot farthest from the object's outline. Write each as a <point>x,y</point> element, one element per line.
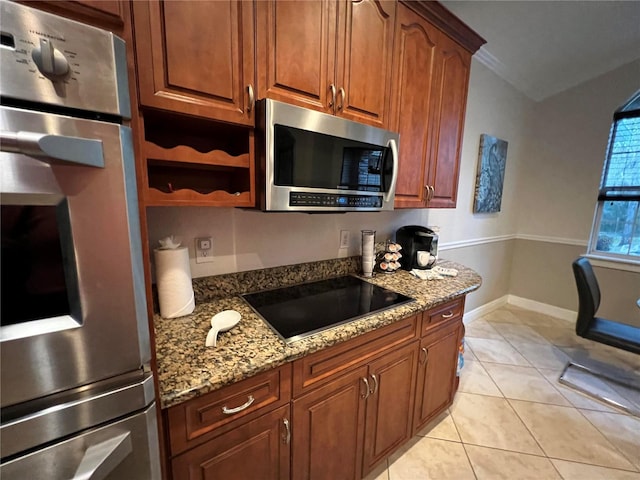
<point>258,449</point>
<point>414,68</point>
<point>438,357</point>
<point>364,60</point>
<point>328,429</point>
<point>296,52</point>
<point>196,57</point>
<point>390,404</point>
<point>451,91</point>
<point>110,7</point>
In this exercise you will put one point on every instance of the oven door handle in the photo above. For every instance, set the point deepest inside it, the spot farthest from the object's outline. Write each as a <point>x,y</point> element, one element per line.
<point>54,148</point>
<point>394,176</point>
<point>101,459</point>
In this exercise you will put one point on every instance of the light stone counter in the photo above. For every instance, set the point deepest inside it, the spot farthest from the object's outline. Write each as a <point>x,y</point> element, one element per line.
<point>187,369</point>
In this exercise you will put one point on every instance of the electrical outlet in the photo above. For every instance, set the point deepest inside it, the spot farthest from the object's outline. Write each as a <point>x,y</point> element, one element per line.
<point>204,250</point>
<point>344,238</point>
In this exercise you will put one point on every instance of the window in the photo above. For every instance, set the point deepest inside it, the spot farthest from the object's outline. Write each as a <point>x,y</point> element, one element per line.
<point>616,226</point>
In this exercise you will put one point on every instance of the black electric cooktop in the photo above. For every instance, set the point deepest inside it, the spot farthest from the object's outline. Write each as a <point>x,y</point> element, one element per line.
<point>298,311</point>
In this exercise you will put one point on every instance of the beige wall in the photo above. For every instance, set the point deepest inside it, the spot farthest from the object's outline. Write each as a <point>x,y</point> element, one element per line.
<point>494,260</point>
<point>541,271</point>
<point>566,149</point>
<point>559,188</point>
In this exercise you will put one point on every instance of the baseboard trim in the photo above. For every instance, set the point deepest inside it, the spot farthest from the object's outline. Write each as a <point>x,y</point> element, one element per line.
<point>483,310</point>
<point>544,308</point>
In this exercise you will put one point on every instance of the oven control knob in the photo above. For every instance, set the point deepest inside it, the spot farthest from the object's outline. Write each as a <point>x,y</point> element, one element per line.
<point>49,60</point>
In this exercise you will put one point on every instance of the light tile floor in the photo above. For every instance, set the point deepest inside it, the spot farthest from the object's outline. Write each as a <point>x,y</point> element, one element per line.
<point>511,419</point>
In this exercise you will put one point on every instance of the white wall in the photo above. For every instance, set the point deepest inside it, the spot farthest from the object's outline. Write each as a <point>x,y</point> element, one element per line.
<point>246,240</point>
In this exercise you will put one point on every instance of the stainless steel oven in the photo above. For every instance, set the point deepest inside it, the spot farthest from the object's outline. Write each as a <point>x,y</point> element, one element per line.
<point>76,390</point>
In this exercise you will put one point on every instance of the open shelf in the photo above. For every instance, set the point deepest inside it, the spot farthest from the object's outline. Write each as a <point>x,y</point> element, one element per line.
<point>192,161</point>
<point>186,154</point>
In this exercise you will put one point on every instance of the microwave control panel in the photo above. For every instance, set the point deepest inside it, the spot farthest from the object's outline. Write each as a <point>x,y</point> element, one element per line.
<point>302,199</point>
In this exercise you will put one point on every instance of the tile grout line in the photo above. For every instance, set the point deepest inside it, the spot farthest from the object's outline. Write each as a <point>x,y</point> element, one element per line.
<point>473,470</point>
<point>606,437</point>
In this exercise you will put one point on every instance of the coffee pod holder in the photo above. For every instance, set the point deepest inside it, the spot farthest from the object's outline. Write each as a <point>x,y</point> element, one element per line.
<point>388,261</point>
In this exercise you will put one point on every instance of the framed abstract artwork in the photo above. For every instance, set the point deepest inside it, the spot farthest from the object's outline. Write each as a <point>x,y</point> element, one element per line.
<point>490,177</point>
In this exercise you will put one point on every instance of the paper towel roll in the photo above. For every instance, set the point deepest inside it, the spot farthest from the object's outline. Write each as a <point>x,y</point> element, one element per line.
<point>173,277</point>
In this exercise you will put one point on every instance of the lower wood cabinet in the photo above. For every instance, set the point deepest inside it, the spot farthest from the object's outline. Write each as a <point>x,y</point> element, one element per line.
<point>258,449</point>
<point>436,372</point>
<point>389,404</point>
<point>334,414</point>
<point>344,428</point>
<point>328,429</point>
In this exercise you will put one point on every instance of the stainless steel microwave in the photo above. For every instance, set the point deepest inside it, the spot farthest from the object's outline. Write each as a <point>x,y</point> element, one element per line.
<point>315,162</point>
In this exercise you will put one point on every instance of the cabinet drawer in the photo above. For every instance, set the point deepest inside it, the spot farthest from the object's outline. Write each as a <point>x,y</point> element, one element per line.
<point>316,369</point>
<point>448,311</point>
<point>217,412</point>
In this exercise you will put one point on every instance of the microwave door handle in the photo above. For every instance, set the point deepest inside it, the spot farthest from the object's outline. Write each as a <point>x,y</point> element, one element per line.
<point>51,148</point>
<point>394,176</point>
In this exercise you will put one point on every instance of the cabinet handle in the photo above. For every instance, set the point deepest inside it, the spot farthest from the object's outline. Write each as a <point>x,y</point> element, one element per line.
<point>342,98</point>
<point>427,192</point>
<point>366,393</point>
<point>286,438</point>
<point>426,355</point>
<point>375,384</point>
<point>252,99</point>
<point>332,104</point>
<point>448,315</point>
<point>430,192</point>
<point>230,411</point>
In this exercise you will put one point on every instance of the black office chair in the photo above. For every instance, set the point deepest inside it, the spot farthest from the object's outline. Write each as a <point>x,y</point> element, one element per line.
<point>609,332</point>
<point>619,335</point>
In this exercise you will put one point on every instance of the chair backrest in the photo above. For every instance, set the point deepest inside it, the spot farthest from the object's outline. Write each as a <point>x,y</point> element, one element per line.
<point>588,294</point>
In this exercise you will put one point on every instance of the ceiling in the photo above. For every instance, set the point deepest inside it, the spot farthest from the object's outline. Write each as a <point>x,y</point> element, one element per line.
<point>545,47</point>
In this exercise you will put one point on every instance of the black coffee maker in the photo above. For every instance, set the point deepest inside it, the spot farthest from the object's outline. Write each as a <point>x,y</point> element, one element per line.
<point>419,247</point>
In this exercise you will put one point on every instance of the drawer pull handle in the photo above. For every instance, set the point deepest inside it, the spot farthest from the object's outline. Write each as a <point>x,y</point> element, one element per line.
<point>366,393</point>
<point>426,355</point>
<point>448,315</point>
<point>375,384</point>
<point>231,411</point>
<point>286,438</point>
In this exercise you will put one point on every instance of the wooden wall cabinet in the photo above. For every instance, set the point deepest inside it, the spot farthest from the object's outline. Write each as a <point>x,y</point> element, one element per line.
<point>334,56</point>
<point>429,114</point>
<point>107,14</point>
<point>195,75</point>
<point>196,58</point>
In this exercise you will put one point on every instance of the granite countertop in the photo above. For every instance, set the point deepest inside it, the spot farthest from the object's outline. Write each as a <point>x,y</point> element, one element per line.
<point>187,369</point>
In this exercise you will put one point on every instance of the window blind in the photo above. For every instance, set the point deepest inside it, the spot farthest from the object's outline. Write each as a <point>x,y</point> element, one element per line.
<point>621,175</point>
